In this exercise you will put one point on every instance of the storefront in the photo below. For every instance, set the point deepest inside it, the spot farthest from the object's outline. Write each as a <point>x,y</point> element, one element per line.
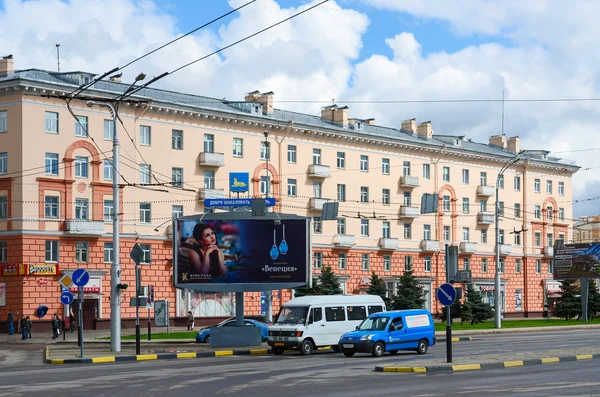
<point>487,290</point>
<point>552,293</point>
<point>92,298</point>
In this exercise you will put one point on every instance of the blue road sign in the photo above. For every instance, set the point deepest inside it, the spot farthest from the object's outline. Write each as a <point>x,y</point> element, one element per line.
<point>446,294</point>
<point>81,277</point>
<point>66,298</point>
<point>235,202</point>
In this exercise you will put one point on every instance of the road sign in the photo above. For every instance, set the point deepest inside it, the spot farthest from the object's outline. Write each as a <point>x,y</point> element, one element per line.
<point>235,202</point>
<point>41,281</point>
<point>66,298</point>
<point>446,294</point>
<point>65,281</point>
<point>137,254</point>
<point>81,277</point>
<point>161,313</point>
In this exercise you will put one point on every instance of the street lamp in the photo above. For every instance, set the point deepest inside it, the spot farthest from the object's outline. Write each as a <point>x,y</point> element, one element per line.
<point>506,165</point>
<point>268,294</point>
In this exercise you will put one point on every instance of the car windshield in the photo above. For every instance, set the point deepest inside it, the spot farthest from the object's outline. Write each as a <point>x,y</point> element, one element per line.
<point>292,315</point>
<point>374,324</point>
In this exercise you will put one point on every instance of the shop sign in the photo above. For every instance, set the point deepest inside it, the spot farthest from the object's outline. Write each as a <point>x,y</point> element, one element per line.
<point>92,287</point>
<point>10,269</point>
<point>487,288</point>
<point>42,270</point>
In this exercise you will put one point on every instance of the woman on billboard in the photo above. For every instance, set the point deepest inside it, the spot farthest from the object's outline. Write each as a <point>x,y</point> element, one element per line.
<point>207,259</point>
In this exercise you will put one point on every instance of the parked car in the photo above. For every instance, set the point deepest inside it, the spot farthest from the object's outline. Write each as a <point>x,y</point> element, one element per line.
<point>260,319</point>
<point>203,335</point>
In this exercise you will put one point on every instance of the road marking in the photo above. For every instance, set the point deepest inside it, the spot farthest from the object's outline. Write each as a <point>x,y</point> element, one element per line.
<point>549,360</point>
<point>584,357</point>
<point>103,359</point>
<point>224,353</point>
<point>510,364</point>
<point>144,357</point>
<point>186,355</point>
<point>466,367</point>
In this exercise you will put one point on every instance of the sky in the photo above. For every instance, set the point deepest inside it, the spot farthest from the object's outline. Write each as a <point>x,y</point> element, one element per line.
<point>353,50</point>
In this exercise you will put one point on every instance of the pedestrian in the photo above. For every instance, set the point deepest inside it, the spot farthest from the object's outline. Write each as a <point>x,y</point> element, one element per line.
<point>55,326</point>
<point>190,321</point>
<point>29,326</point>
<point>23,327</point>
<point>18,324</point>
<point>11,323</point>
<point>71,320</point>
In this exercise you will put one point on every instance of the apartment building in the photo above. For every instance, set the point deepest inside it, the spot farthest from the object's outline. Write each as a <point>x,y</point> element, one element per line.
<point>56,203</point>
<point>586,229</point>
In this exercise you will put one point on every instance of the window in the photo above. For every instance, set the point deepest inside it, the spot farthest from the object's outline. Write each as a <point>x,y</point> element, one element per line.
<point>465,234</point>
<point>387,263</point>
<point>385,230</point>
<point>483,178</point>
<point>517,210</point>
<point>342,260</point>
<point>483,205</point>
<point>536,185</point>
<point>147,257</point>
<point>365,261</point>
<point>385,196</point>
<point>501,236</point>
<point>407,231</point>
<point>561,214</point>
<point>81,167</point>
<point>3,207</point>
<point>465,177</point>
<point>484,236</point>
<point>52,251</point>
<point>549,240</point>
<point>364,194</point>
<point>385,166</point>
<point>317,156</point>
<point>265,151</point>
<point>561,188</point>
<point>145,171</point>
<point>335,314</point>
<point>391,291</point>
<point>265,181</point>
<point>518,265</point>
<point>238,147</point>
<point>517,183</point>
<point>550,266</point>
<point>549,213</point>
<point>109,130</point>
<point>538,266</point>
<point>407,199</point>
<point>108,252</point>
<point>548,187</point>
<point>177,140</point>
<point>51,164</point>
<point>145,213</point>
<point>317,189</point>
<point>405,168</point>
<point>484,265</point>
<point>364,163</point>
<point>291,187</point>
<point>446,174</point>
<point>52,123</point>
<point>177,177</point>
<point>81,208</point>
<point>500,181</point>
<point>51,207</point>
<point>537,212</point>
<point>291,153</point>
<point>108,170</point>
<point>427,260</point>
<point>501,266</point>
<point>446,233</point>
<point>466,264</point>
<point>500,208</point>
<point>81,251</point>
<point>209,143</point>
<point>341,192</point>
<point>341,226</point>
<point>81,126</point>
<point>446,203</point>
<point>3,251</point>
<point>341,160</point>
<point>357,313</point>
<point>426,171</point>
<point>426,232</point>
<point>465,203</point>
<point>364,227</point>
<point>145,135</point>
<point>3,163</point>
<point>517,238</point>
<point>209,179</point>
<point>408,263</point>
<point>108,210</point>
<point>3,121</point>
<point>317,224</point>
<point>538,239</point>
<point>176,211</point>
<point>561,237</point>
<point>318,260</point>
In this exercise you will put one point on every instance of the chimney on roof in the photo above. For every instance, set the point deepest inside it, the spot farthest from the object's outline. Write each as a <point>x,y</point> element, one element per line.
<point>370,121</point>
<point>265,99</point>
<point>335,114</point>
<point>424,130</point>
<point>513,144</point>
<point>6,65</point>
<point>498,141</point>
<point>409,126</point>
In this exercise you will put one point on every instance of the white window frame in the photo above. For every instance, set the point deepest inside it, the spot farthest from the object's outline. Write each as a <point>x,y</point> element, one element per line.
<point>291,154</point>
<point>51,162</point>
<point>537,185</point>
<point>177,176</point>
<point>82,208</point>
<point>427,232</point>
<point>177,139</point>
<point>465,205</point>
<point>52,251</point>
<point>446,174</point>
<point>445,203</point>
<point>365,261</point>
<point>81,126</point>
<point>408,263</point>
<point>3,121</point>
<point>3,207</point>
<point>109,130</point>
<point>364,194</point>
<point>548,186</point>
<point>500,181</point>
<point>517,183</point>
<point>538,266</point>
<point>483,178</point>
<point>145,173</point>
<point>561,188</point>
<point>407,231</point>
<point>341,226</point>
<point>318,260</point>
<point>426,171</point>
<point>51,207</point>
<point>341,192</point>
<point>3,163</point>
<point>364,163</point>
<point>82,167</point>
<point>465,177</point>
<point>484,265</point>
<point>51,123</point>
<point>176,211</point>
<point>145,135</point>
<point>317,225</point>
<point>518,265</point>
<point>109,170</point>
<point>484,236</point>
<point>316,156</point>
<point>209,179</point>
<point>385,166</point>
<point>341,160</point>
<point>342,261</point>
<point>109,252</point>
<point>466,234</point>
<point>209,143</point>
<point>386,230</point>
<point>387,263</point>
<point>82,251</point>
<point>238,147</point>
<point>427,263</point>
<point>265,150</point>
<point>385,196</point>
<point>364,227</point>
<point>108,209</point>
<point>147,256</point>
<point>145,212</point>
<point>291,187</point>
<point>446,232</point>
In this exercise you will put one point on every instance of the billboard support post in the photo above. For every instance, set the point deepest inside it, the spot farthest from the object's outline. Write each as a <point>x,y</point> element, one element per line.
<point>584,285</point>
<point>239,309</point>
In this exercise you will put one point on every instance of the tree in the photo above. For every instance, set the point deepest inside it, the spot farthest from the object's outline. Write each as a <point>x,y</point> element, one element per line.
<point>409,293</point>
<point>329,283</point>
<point>314,290</point>
<point>593,299</point>
<point>378,287</point>
<point>475,309</point>
<point>454,312</point>
<point>568,305</point>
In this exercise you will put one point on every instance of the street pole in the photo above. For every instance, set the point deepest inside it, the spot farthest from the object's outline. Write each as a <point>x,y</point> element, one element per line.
<point>448,314</point>
<point>269,294</point>
<point>137,311</point>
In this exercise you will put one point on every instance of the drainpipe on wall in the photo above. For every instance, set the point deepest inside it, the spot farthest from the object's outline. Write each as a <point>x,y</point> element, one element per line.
<point>523,227</point>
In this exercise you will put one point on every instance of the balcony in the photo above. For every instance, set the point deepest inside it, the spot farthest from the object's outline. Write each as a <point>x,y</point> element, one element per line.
<point>211,193</point>
<point>316,204</point>
<point>212,159</point>
<point>84,226</point>
<point>505,249</point>
<point>409,181</point>
<point>409,212</point>
<point>485,218</point>
<point>318,171</point>
<point>344,240</point>
<point>485,191</point>
<point>429,245</point>
<point>549,251</point>
<point>468,248</point>
<point>388,243</point>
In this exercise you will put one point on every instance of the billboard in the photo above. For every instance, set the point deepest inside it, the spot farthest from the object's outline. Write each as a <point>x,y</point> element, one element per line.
<point>229,252</point>
<point>572,261</point>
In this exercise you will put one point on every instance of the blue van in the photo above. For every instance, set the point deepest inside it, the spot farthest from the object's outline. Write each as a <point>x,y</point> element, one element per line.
<point>389,332</point>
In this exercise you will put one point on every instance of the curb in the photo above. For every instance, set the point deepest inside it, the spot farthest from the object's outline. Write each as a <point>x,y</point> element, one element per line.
<point>480,366</point>
<point>455,339</point>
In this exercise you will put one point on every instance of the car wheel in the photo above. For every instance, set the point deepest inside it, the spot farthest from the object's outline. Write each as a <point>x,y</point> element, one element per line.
<point>348,353</point>
<point>277,352</point>
<point>335,348</point>
<point>393,352</point>
<point>378,349</point>
<point>422,346</point>
<point>207,340</point>
<point>306,347</point>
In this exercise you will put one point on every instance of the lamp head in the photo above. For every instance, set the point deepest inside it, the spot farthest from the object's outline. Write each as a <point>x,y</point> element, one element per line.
<point>90,104</point>
<point>140,77</point>
<point>266,133</point>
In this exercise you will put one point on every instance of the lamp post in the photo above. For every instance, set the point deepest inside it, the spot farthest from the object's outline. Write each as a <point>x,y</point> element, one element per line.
<point>268,294</point>
<point>497,306</point>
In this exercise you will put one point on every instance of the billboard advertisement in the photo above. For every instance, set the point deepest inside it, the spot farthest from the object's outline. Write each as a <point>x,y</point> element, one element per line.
<point>572,261</point>
<point>223,253</point>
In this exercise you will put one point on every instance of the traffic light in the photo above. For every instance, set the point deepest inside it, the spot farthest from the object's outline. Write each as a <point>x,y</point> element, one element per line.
<point>122,286</point>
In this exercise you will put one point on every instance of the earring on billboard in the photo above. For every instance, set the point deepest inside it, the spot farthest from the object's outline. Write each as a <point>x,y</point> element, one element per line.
<point>283,247</point>
<point>274,250</point>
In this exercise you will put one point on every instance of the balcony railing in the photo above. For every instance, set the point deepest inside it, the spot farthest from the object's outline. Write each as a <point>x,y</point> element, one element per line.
<point>212,159</point>
<point>409,212</point>
<point>388,243</point>
<point>549,251</point>
<point>84,226</point>
<point>468,248</point>
<point>409,181</point>
<point>485,218</point>
<point>430,245</point>
<point>316,204</point>
<point>486,191</point>
<point>505,249</point>
<point>211,193</point>
<point>344,240</point>
<point>318,171</point>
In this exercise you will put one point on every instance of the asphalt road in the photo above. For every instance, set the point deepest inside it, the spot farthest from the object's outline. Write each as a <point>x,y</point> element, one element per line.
<point>323,374</point>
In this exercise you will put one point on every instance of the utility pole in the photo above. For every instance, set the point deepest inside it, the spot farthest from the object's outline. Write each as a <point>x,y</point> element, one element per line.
<point>268,294</point>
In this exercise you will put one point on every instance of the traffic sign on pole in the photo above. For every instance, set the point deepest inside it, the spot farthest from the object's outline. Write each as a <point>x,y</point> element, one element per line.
<point>66,281</point>
<point>81,277</point>
<point>446,294</point>
<point>137,254</point>
<point>66,298</point>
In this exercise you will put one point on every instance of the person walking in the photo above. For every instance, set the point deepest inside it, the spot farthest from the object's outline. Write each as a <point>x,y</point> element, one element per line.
<point>23,327</point>
<point>55,326</point>
<point>71,320</point>
<point>11,323</point>
<point>190,321</point>
<point>29,326</point>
